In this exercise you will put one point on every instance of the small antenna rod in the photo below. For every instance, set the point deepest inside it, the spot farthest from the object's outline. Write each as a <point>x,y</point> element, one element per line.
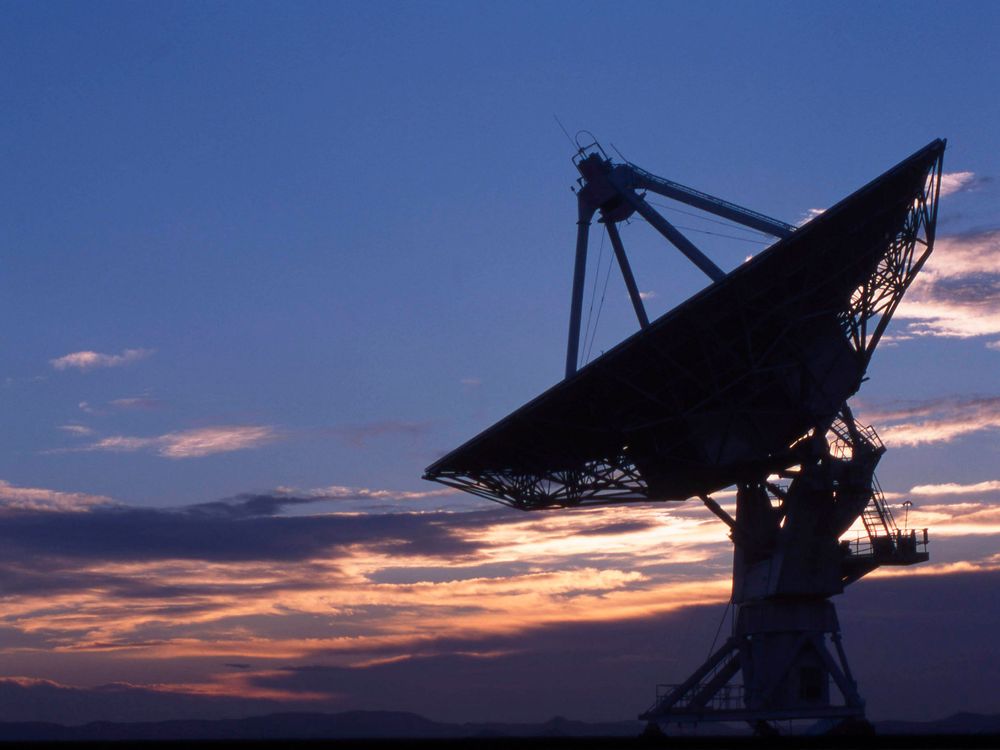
<point>563,129</point>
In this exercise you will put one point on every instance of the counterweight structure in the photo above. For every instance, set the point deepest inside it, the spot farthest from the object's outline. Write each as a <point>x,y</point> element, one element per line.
<point>745,384</point>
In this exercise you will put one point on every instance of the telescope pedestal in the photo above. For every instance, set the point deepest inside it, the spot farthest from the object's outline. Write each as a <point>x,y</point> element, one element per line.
<point>783,651</point>
<point>787,563</point>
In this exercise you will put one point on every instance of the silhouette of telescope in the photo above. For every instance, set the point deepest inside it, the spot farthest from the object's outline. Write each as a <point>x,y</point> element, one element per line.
<point>747,379</point>
<point>725,387</point>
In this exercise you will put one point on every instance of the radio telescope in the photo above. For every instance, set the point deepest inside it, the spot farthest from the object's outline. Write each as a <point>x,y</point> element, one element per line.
<point>745,384</point>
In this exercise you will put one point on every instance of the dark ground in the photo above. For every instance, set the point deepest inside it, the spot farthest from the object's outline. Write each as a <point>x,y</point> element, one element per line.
<point>896,742</point>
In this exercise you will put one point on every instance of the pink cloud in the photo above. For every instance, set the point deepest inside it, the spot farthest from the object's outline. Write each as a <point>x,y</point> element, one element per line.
<point>954,488</point>
<point>41,499</point>
<point>936,421</point>
<point>957,182</point>
<point>203,441</point>
<point>88,360</point>
<point>957,295</point>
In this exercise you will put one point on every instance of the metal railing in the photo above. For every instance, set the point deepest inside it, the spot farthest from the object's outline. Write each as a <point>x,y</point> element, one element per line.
<point>726,698</point>
<point>901,543</point>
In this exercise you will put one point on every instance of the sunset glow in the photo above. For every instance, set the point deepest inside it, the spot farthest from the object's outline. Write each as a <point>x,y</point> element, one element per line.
<point>264,264</point>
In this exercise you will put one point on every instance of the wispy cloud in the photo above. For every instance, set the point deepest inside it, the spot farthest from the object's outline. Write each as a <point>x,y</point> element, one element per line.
<point>647,295</point>
<point>809,215</point>
<point>76,429</point>
<point>959,519</point>
<point>88,360</point>
<point>957,294</point>
<point>958,182</point>
<point>203,441</point>
<point>135,402</point>
<point>120,404</point>
<point>40,499</point>
<point>954,488</point>
<point>936,421</point>
<point>342,492</point>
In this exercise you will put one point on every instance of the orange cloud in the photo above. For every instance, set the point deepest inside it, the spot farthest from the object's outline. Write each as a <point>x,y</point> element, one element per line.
<point>368,602</point>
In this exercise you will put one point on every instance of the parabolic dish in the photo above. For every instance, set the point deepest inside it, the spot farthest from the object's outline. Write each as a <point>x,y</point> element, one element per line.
<point>715,391</point>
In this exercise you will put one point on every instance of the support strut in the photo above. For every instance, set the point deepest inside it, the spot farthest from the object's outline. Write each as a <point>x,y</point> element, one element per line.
<point>670,232</point>
<point>611,189</point>
<point>586,213</point>
<point>633,290</point>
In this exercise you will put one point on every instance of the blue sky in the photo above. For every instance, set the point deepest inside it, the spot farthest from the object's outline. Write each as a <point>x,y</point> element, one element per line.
<point>315,245</point>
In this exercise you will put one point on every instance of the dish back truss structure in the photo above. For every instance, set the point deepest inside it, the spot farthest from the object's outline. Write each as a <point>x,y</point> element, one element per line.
<point>745,384</point>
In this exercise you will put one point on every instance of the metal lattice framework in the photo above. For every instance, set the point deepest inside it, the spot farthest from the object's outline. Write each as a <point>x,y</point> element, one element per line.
<point>719,389</point>
<point>616,480</point>
<point>876,300</point>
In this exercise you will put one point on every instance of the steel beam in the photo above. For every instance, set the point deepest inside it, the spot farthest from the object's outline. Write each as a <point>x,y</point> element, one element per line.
<point>585,213</point>
<point>671,233</point>
<point>709,203</point>
<point>633,290</point>
<point>663,704</point>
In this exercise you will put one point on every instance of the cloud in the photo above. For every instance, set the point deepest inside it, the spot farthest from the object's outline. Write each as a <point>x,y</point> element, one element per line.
<point>809,215</point>
<point>88,360</point>
<point>337,491</point>
<point>953,488</point>
<point>196,443</point>
<point>462,674</point>
<point>959,182</point>
<point>208,440</point>
<point>135,402</point>
<point>957,294</point>
<point>76,429</point>
<point>86,408</point>
<point>334,604</point>
<point>647,295</point>
<point>951,183</point>
<point>39,499</point>
<point>936,420</point>
<point>217,578</point>
<point>247,527</point>
<point>340,493</point>
<point>958,519</point>
<point>250,505</point>
<point>120,404</point>
<point>514,676</point>
<point>343,499</point>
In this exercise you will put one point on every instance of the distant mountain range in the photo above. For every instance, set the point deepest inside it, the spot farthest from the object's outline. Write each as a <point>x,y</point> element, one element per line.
<point>349,725</point>
<point>960,723</point>
<point>398,725</point>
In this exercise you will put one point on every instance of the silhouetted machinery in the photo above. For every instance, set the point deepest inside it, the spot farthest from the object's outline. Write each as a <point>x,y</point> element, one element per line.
<point>745,384</point>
